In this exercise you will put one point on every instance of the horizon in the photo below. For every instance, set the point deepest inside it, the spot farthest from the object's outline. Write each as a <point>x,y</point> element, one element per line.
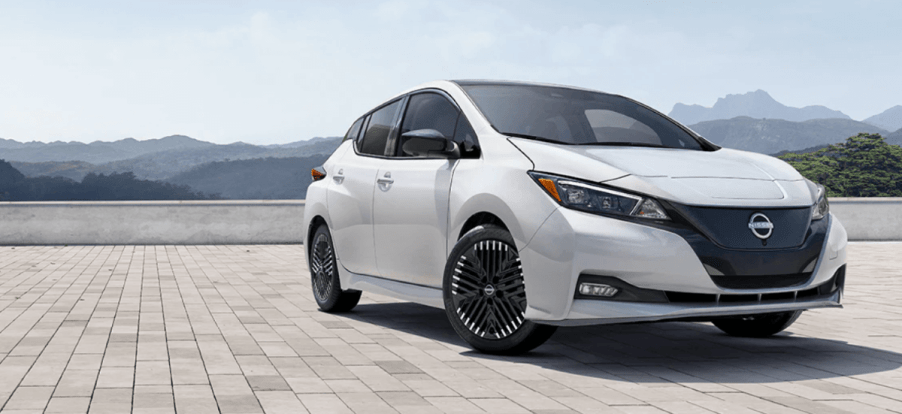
<point>274,72</point>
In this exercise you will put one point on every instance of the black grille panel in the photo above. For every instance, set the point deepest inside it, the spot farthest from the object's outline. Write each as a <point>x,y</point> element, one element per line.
<point>760,282</point>
<point>729,227</point>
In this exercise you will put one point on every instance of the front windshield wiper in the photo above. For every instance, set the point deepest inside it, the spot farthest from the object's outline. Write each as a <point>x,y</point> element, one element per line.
<point>625,144</point>
<point>553,141</point>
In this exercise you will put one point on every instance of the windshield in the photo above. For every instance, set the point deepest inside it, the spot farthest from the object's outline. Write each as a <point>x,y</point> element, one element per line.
<point>575,117</point>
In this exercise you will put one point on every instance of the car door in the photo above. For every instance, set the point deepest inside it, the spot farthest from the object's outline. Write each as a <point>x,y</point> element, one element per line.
<point>410,204</point>
<point>350,198</point>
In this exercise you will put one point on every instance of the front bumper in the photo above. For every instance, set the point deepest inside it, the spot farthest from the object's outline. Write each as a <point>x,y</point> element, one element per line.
<point>572,243</point>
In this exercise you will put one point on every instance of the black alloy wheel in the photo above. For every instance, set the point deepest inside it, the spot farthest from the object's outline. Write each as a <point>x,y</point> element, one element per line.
<point>488,290</point>
<point>324,275</point>
<point>485,294</point>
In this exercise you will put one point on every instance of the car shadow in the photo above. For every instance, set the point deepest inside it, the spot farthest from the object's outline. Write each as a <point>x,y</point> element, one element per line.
<point>658,352</point>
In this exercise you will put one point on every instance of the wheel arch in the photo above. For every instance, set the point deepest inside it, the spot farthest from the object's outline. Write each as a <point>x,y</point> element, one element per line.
<point>479,219</point>
<point>315,222</point>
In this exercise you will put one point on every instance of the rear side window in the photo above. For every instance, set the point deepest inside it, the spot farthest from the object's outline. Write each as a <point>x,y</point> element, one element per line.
<point>354,131</point>
<point>378,128</point>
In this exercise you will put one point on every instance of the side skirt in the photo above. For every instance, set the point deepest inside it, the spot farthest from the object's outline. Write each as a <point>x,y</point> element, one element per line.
<point>405,291</point>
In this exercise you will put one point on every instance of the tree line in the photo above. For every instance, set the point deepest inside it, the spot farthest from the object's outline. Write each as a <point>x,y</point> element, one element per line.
<point>862,166</point>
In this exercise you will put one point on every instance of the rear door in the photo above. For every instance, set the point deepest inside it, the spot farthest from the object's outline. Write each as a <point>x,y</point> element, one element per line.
<point>410,202</point>
<point>351,192</point>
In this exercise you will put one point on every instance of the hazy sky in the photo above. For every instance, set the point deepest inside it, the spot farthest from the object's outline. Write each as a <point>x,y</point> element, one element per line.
<point>280,71</point>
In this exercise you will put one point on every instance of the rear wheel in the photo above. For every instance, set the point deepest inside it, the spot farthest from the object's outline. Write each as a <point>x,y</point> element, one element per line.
<point>324,275</point>
<point>485,294</point>
<point>757,326</point>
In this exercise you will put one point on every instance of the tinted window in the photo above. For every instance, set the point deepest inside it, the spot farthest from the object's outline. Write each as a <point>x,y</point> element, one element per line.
<point>378,128</point>
<point>576,117</point>
<point>354,130</point>
<point>429,111</point>
<point>465,137</point>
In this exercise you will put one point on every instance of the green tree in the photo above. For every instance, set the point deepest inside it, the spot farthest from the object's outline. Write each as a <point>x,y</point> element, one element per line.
<point>863,166</point>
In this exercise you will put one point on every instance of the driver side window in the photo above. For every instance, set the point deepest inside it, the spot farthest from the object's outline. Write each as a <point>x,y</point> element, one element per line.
<point>428,111</point>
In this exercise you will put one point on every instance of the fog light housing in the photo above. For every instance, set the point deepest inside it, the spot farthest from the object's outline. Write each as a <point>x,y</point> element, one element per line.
<point>597,289</point>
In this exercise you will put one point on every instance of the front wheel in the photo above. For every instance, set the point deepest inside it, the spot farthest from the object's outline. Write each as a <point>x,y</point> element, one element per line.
<point>757,326</point>
<point>485,294</point>
<point>324,275</point>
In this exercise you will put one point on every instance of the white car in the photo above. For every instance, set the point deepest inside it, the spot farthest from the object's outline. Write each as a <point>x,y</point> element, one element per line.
<point>520,207</point>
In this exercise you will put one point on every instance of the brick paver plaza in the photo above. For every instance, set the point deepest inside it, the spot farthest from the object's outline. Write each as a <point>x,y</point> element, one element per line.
<point>234,329</point>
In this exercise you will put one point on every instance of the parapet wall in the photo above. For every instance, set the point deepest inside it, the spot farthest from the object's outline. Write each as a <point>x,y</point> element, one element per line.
<point>274,221</point>
<point>152,222</point>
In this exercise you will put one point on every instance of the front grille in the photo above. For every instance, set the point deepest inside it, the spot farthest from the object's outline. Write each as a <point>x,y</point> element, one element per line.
<point>760,282</point>
<point>729,227</point>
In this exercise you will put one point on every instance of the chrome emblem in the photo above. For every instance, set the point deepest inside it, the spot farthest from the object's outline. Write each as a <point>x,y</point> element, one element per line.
<point>489,290</point>
<point>761,226</point>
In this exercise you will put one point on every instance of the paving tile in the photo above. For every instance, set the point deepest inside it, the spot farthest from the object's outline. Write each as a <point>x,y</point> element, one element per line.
<point>68,405</point>
<point>29,398</point>
<point>233,329</point>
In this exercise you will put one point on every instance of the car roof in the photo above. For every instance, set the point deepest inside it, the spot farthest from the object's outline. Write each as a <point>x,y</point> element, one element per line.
<point>473,82</point>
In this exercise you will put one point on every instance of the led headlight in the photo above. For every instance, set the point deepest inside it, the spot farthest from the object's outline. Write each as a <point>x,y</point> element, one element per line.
<point>821,207</point>
<point>590,198</point>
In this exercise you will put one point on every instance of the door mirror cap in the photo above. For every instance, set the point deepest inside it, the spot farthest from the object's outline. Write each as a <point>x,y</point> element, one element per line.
<point>428,143</point>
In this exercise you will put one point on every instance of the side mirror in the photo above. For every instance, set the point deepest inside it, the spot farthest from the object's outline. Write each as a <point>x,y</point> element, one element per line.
<point>428,143</point>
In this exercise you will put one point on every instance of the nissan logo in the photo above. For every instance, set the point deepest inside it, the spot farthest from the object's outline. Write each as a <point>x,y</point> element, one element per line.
<point>761,226</point>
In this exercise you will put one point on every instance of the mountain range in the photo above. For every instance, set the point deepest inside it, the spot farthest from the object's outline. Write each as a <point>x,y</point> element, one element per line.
<point>757,104</point>
<point>770,136</point>
<point>169,158</point>
<point>753,122</point>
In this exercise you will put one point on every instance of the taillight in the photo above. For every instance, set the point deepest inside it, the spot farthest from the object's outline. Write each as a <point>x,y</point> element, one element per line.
<point>318,173</point>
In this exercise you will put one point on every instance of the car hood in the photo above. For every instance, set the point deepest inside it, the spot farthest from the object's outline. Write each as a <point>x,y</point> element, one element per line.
<point>722,177</point>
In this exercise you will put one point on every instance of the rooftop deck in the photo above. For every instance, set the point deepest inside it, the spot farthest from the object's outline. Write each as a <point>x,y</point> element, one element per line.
<point>233,329</point>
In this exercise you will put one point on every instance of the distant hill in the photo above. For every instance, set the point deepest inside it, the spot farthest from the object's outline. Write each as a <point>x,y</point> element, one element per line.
<point>895,138</point>
<point>890,119</point>
<point>757,104</point>
<point>73,170</point>
<point>167,163</point>
<point>770,136</point>
<point>97,152</point>
<point>14,186</point>
<point>267,178</point>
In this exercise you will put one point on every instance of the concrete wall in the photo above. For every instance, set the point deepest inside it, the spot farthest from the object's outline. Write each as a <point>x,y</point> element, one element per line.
<point>869,219</point>
<point>274,221</point>
<point>152,222</point>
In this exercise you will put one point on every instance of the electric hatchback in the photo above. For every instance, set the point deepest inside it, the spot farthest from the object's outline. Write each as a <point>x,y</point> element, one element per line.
<point>520,207</point>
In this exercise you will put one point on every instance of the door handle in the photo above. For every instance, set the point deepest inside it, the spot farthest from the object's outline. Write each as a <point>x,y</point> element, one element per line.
<point>385,182</point>
<point>339,177</point>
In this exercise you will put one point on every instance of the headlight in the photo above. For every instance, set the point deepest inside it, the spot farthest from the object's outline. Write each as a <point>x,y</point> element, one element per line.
<point>590,198</point>
<point>821,207</point>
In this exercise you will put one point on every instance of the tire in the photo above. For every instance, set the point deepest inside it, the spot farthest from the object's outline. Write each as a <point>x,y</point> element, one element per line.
<point>485,294</point>
<point>324,275</point>
<point>757,326</point>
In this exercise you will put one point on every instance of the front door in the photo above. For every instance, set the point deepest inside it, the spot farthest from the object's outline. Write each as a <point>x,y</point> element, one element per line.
<point>411,199</point>
<point>410,216</point>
